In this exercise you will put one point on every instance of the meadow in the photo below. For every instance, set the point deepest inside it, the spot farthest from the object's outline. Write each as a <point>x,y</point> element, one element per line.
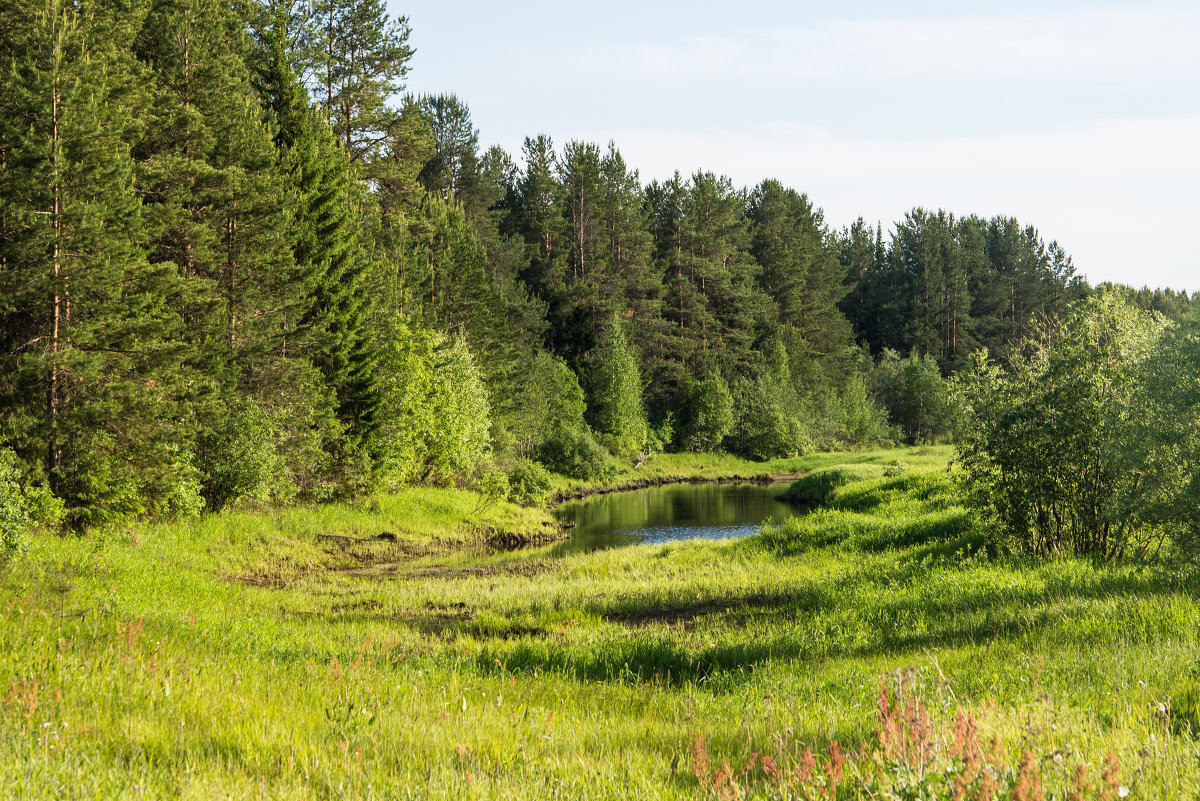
<point>874,646</point>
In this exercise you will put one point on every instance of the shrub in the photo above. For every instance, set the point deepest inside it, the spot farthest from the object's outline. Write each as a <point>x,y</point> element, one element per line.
<point>814,489</point>
<point>550,396</point>
<point>492,486</point>
<point>767,429</point>
<point>918,399</point>
<point>861,418</point>
<point>22,507</point>
<point>434,419</point>
<point>1051,446</point>
<point>238,460</point>
<point>710,413</point>
<point>615,408</point>
<point>460,438</point>
<point>528,483</point>
<point>769,425</point>
<point>574,452</point>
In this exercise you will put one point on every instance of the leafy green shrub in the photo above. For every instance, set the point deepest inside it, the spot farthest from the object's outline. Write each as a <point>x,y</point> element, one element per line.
<point>814,489</point>
<point>22,507</point>
<point>770,425</point>
<point>183,495</point>
<point>528,483</point>
<point>1054,444</point>
<point>574,452</point>
<point>550,396</point>
<point>710,413</point>
<point>460,439</point>
<point>767,430</point>
<point>662,434</point>
<point>492,486</point>
<point>918,399</point>
<point>238,460</point>
<point>434,419</point>
<point>615,409</point>
<point>861,418</point>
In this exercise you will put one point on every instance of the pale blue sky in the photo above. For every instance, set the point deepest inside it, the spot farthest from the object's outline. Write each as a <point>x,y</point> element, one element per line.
<point>1080,118</point>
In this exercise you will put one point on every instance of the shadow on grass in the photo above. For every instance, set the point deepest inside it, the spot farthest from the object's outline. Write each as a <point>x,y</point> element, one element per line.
<point>814,625</point>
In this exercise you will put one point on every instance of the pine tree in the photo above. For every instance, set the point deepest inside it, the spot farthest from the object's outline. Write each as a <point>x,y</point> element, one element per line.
<point>358,60</point>
<point>632,281</point>
<point>93,391</point>
<point>801,272</point>
<point>221,207</point>
<point>216,198</point>
<point>453,169</point>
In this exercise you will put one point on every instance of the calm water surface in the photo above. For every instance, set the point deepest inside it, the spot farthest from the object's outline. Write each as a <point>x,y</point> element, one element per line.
<point>675,512</point>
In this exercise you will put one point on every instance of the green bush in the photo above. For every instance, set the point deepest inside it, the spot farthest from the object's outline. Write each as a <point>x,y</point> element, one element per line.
<point>22,507</point>
<point>492,486</point>
<point>550,396</point>
<point>767,428</point>
<point>574,452</point>
<point>528,483</point>
<point>770,423</point>
<point>918,399</point>
<point>1056,447</point>
<point>814,489</point>
<point>861,418</point>
<point>238,460</point>
<point>435,417</point>
<point>615,409</point>
<point>710,413</point>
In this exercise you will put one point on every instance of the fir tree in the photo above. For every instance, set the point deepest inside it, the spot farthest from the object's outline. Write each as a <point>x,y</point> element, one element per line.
<point>327,248</point>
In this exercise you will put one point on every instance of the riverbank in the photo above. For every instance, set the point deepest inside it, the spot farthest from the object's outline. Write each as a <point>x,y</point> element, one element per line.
<point>152,663</point>
<point>699,468</point>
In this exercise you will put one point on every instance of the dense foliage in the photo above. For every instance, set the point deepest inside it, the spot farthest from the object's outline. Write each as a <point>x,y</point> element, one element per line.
<point>237,271</point>
<point>1084,442</point>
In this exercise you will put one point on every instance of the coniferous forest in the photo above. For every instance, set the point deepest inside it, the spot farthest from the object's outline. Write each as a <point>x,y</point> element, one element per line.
<point>343,457</point>
<point>240,266</point>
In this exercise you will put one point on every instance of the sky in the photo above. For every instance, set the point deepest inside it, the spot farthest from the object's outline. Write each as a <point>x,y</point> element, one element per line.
<point>1081,119</point>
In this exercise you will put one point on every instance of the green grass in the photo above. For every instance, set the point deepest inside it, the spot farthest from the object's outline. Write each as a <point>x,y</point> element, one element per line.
<point>665,468</point>
<point>249,656</point>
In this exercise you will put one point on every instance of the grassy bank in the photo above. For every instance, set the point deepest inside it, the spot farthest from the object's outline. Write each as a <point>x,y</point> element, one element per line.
<point>236,660</point>
<point>673,468</point>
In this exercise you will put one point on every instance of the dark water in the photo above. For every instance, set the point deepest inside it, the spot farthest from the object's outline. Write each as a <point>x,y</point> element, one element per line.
<point>676,512</point>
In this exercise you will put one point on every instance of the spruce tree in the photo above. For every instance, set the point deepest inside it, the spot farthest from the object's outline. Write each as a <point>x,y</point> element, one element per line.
<point>329,257</point>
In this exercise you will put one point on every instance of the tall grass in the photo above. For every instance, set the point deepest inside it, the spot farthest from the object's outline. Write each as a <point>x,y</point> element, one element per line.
<point>252,656</point>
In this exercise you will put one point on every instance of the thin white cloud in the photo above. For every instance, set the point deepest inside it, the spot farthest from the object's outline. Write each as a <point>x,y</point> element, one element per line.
<point>1116,42</point>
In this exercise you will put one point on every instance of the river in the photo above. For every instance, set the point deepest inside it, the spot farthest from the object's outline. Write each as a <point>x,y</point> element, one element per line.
<point>668,513</point>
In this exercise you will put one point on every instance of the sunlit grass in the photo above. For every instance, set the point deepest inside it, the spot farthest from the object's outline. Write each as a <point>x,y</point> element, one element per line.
<point>251,656</point>
<point>668,467</point>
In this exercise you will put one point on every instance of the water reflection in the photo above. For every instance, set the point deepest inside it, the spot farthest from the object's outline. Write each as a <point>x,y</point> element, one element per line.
<point>677,512</point>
